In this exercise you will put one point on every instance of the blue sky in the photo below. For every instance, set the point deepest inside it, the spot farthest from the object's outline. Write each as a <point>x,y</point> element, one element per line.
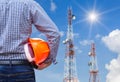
<point>105,33</point>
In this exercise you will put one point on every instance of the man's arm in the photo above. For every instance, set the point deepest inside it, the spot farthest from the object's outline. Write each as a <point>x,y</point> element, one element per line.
<point>45,25</point>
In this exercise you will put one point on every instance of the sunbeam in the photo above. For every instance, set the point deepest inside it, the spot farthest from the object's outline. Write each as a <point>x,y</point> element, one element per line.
<point>93,16</point>
<point>79,21</point>
<point>110,10</point>
<point>90,32</point>
<point>83,9</point>
<point>105,27</point>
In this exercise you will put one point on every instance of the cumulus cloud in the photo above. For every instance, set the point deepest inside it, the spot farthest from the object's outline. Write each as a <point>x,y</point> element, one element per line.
<point>98,36</point>
<point>114,70</point>
<point>86,42</point>
<point>112,41</point>
<point>53,6</point>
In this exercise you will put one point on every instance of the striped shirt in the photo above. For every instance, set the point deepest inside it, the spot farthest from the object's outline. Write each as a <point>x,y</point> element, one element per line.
<point>16,20</point>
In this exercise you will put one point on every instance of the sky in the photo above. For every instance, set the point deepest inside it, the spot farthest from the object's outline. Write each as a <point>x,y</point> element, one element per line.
<point>104,32</point>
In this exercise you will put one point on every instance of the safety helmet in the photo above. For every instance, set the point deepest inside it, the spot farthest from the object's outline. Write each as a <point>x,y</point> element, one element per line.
<point>36,50</point>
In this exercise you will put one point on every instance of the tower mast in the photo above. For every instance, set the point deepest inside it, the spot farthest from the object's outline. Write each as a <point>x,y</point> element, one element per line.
<point>70,74</point>
<point>93,65</point>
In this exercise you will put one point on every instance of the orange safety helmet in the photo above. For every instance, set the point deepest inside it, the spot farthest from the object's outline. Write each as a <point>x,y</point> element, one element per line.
<point>37,51</point>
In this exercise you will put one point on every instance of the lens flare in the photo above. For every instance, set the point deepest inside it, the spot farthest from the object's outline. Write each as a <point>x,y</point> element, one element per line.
<point>93,16</point>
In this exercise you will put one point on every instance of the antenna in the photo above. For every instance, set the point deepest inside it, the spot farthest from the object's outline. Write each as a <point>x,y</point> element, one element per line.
<point>70,73</point>
<point>93,65</point>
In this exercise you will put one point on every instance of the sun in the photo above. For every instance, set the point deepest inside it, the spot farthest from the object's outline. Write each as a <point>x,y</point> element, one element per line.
<point>92,16</point>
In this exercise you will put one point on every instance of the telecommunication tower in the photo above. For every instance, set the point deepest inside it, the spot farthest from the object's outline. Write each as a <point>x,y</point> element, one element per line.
<point>70,73</point>
<point>93,65</point>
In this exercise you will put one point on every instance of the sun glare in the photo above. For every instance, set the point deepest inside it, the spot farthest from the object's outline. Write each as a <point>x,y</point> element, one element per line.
<point>92,16</point>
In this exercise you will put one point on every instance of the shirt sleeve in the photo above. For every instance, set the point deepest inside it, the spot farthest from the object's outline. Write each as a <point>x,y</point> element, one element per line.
<point>45,25</point>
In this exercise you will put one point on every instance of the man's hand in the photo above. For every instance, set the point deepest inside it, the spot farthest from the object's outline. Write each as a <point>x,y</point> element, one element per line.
<point>44,65</point>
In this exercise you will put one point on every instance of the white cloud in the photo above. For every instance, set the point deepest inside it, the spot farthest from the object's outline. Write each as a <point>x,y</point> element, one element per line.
<point>114,70</point>
<point>112,41</point>
<point>98,36</point>
<point>86,42</point>
<point>53,6</point>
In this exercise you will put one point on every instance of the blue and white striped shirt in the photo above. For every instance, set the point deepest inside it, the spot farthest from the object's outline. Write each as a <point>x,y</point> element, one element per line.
<point>16,20</point>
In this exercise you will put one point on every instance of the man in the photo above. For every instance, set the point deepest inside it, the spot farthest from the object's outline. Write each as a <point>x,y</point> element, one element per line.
<point>16,20</point>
